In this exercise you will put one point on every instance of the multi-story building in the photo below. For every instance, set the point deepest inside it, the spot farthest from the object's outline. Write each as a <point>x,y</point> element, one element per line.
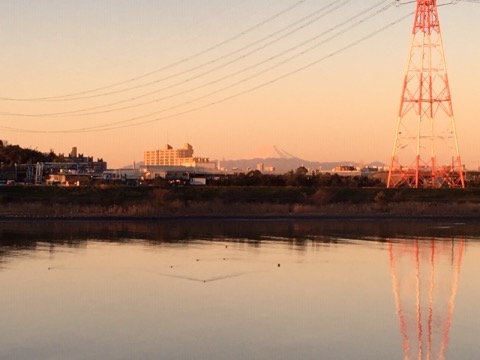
<point>169,156</point>
<point>176,157</point>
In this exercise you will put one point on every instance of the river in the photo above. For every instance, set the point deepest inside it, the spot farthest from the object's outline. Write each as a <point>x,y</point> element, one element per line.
<point>239,289</point>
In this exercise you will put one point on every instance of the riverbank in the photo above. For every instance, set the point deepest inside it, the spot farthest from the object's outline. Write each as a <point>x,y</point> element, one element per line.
<point>235,202</point>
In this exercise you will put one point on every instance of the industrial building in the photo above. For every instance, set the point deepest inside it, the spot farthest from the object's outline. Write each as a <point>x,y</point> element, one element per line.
<point>72,169</point>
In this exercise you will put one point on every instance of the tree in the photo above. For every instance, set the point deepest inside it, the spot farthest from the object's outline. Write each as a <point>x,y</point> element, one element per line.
<point>301,171</point>
<point>14,154</point>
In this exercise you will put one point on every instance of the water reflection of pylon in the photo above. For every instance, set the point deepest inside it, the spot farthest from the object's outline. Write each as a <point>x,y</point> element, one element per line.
<point>425,280</point>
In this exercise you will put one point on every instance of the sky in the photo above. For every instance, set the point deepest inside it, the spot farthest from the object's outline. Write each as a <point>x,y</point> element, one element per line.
<point>320,79</point>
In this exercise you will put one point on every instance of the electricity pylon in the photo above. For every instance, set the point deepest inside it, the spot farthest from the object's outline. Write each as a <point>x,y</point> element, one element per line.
<point>425,150</point>
<point>425,276</point>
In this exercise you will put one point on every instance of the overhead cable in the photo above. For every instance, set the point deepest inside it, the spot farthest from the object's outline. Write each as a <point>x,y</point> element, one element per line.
<point>184,60</point>
<point>124,124</point>
<point>269,59</point>
<point>87,111</point>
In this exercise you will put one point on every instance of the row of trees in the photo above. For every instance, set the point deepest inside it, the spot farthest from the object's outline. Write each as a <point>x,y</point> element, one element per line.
<point>299,177</point>
<point>14,154</point>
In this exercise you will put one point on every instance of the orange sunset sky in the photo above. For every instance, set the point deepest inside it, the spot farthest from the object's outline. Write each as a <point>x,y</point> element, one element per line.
<point>320,79</point>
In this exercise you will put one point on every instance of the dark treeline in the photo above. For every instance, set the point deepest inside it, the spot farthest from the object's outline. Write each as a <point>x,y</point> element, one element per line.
<point>154,201</point>
<point>300,177</point>
<point>14,154</point>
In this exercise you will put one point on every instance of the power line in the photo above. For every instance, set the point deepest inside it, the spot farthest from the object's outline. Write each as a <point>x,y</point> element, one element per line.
<point>273,57</point>
<point>184,60</point>
<point>452,2</point>
<point>314,14</point>
<point>81,112</point>
<point>303,52</point>
<point>269,59</point>
<point>123,124</point>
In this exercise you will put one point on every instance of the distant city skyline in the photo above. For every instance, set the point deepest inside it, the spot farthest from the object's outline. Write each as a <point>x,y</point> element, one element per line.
<point>321,81</point>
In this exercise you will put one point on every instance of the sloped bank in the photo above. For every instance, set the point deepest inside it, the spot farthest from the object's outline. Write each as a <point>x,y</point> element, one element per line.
<point>229,201</point>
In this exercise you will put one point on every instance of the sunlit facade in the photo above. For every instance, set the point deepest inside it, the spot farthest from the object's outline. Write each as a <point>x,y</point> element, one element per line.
<point>169,156</point>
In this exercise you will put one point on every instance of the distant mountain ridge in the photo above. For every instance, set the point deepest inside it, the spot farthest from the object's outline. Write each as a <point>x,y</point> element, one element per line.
<point>276,160</point>
<point>281,161</point>
<point>281,165</point>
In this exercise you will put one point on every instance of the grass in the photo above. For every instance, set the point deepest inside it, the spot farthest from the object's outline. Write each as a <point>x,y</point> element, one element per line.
<point>120,201</point>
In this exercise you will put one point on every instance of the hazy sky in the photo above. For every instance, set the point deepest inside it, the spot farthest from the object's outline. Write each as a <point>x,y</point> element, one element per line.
<point>118,77</point>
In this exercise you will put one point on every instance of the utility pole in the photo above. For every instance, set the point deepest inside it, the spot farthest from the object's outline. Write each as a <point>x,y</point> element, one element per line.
<point>425,149</point>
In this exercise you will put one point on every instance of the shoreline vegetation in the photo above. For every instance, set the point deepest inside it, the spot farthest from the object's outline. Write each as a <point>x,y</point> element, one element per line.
<point>230,202</point>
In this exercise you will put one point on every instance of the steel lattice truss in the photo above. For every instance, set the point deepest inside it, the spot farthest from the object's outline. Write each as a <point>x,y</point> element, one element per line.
<point>425,151</point>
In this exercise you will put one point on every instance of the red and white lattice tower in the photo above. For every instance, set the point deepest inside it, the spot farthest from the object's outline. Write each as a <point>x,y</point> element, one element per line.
<point>425,150</point>
<point>425,280</point>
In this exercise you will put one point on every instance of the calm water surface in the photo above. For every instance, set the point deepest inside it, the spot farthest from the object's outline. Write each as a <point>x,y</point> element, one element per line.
<point>239,290</point>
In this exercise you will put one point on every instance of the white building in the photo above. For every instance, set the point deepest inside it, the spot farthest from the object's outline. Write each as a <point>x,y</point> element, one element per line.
<point>177,157</point>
